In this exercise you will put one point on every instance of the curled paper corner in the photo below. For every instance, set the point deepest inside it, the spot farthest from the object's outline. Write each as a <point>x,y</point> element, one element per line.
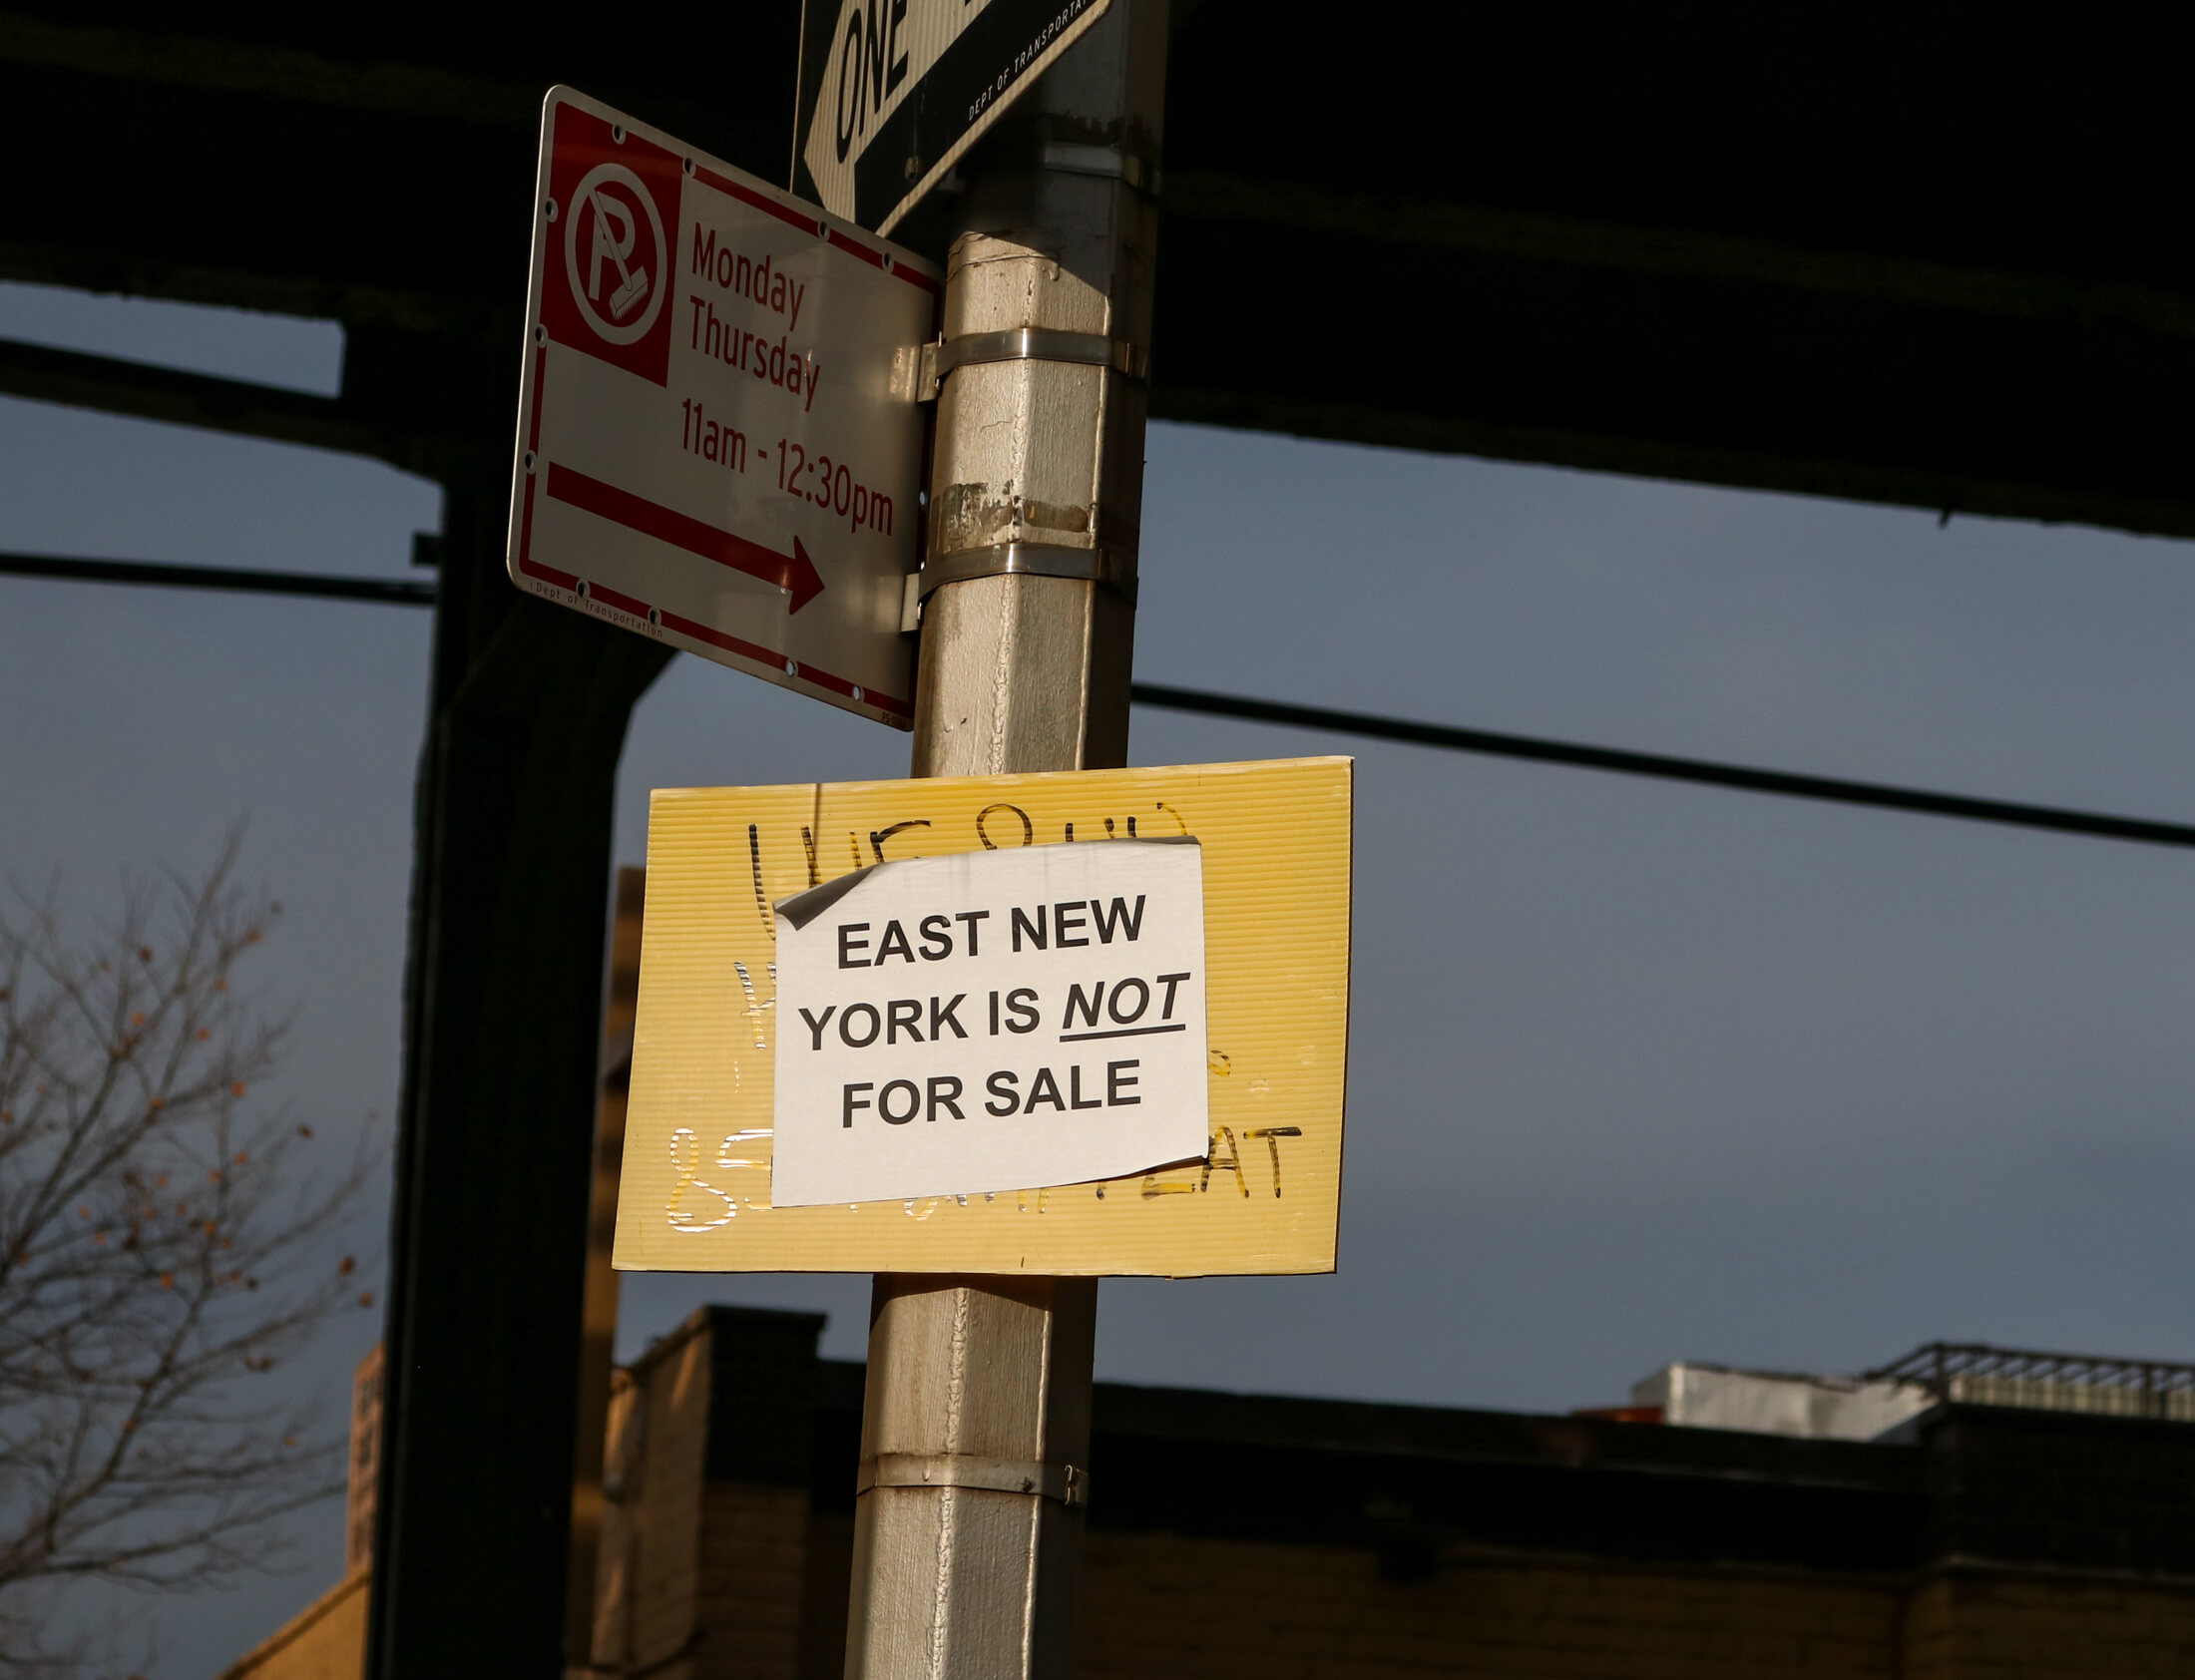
<point>809,903</point>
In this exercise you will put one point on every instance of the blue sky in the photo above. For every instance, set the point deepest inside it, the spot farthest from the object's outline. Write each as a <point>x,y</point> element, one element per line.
<point>1640,1071</point>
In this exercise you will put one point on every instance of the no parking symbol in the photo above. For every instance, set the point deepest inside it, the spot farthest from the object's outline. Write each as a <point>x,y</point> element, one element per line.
<point>614,250</point>
<point>613,209</point>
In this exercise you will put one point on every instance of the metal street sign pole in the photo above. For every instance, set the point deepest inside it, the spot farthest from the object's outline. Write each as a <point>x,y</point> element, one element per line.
<point>976,1426</point>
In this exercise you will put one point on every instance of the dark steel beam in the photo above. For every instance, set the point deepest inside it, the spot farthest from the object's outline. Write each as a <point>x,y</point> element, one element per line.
<point>1793,248</point>
<point>1757,247</point>
<point>495,1154</point>
<point>1780,381</point>
<point>404,434</point>
<point>487,1329</point>
<point>146,392</point>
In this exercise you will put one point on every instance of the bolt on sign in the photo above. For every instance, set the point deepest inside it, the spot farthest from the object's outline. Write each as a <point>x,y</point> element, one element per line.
<point>1075,1024</point>
<point>893,93</point>
<point>718,445</point>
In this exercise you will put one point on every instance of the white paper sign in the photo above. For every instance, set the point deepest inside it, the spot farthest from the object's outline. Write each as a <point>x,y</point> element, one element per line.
<point>991,1020</point>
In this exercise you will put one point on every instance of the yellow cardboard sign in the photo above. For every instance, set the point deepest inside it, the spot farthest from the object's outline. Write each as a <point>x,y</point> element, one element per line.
<point>1275,838</point>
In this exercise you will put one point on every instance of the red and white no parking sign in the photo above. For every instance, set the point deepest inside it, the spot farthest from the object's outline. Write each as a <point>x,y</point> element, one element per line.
<point>718,444</point>
<point>615,219</point>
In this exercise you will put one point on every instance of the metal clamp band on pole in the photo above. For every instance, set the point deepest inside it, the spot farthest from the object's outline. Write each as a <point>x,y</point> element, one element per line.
<point>1114,567</point>
<point>1061,1483</point>
<point>1028,344</point>
<point>1109,161</point>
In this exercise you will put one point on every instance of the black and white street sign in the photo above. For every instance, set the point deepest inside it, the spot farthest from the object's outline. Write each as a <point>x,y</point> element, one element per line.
<point>893,92</point>
<point>991,1020</point>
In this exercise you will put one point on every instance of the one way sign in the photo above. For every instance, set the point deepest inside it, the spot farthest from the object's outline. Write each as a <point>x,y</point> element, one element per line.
<point>893,92</point>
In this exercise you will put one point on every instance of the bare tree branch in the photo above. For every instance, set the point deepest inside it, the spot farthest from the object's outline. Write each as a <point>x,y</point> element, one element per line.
<point>161,1232</point>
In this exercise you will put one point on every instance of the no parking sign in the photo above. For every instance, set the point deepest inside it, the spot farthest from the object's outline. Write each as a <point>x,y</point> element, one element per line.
<point>718,442</point>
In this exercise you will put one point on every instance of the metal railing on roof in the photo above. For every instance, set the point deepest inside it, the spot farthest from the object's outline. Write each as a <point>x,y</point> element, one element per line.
<point>1978,1374</point>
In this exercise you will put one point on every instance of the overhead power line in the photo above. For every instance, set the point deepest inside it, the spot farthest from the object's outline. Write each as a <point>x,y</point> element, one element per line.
<point>1831,789</point>
<point>393,592</point>
<point>1486,742</point>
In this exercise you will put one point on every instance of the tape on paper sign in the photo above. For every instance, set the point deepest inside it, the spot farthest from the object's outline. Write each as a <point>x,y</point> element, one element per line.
<point>954,1025</point>
<point>1228,1160</point>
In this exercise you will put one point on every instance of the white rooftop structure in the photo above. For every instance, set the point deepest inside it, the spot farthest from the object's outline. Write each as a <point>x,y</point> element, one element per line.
<point>1722,1396</point>
<point>1716,1397</point>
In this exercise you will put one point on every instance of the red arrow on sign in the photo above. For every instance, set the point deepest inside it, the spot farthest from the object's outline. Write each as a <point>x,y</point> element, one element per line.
<point>793,572</point>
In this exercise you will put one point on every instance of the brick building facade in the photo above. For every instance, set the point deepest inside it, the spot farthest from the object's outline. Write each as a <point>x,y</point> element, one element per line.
<point>1240,1535</point>
<point>1295,1539</point>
